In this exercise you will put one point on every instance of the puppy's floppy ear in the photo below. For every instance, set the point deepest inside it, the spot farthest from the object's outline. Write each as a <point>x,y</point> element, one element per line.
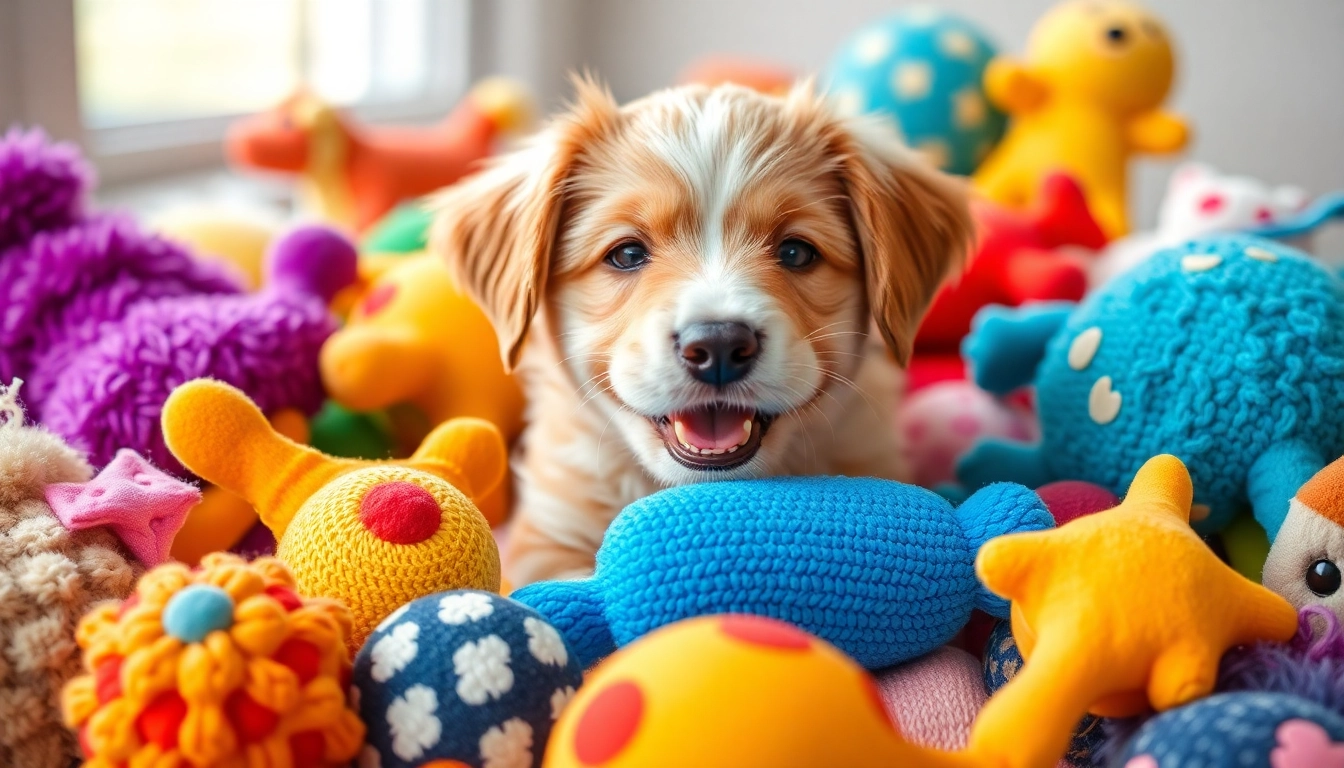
<point>913,222</point>
<point>497,228</point>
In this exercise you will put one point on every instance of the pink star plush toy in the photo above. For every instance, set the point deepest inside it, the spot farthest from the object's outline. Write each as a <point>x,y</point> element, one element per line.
<point>144,507</point>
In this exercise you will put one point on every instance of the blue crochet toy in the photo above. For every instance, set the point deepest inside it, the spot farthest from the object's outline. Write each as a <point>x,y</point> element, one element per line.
<point>463,676</point>
<point>882,570</point>
<point>1227,352</point>
<point>924,68</point>
<point>1239,729</point>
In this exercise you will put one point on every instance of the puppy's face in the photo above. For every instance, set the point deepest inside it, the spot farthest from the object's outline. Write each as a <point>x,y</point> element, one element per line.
<point>709,259</point>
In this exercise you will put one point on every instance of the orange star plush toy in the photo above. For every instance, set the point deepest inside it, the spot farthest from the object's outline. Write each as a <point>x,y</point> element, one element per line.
<point>1114,612</point>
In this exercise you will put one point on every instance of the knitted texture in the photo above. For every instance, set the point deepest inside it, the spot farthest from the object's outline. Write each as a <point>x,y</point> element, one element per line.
<point>935,698</point>
<point>49,577</point>
<point>1222,352</point>
<point>219,666</point>
<point>882,570</point>
<point>463,676</point>
<point>1002,661</point>
<point>42,185</point>
<point>221,435</point>
<point>1242,730</point>
<point>334,553</point>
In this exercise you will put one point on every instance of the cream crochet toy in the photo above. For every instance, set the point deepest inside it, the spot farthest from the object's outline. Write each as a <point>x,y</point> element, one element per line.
<point>49,577</point>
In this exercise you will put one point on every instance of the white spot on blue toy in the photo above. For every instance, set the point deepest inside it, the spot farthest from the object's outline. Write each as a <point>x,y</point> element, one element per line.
<point>1103,403</point>
<point>192,614</point>
<point>1202,262</point>
<point>924,69</point>
<point>1260,254</point>
<point>1084,348</point>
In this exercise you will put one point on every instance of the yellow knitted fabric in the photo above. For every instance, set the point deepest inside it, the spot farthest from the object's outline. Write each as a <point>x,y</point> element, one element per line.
<point>238,698</point>
<point>333,554</point>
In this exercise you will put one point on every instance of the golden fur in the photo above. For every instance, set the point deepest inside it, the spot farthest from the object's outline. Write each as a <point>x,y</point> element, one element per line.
<point>710,181</point>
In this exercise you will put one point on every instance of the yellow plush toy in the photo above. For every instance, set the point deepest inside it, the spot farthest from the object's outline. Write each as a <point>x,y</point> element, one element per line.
<point>374,535</point>
<point>733,691</point>
<point>1087,97</point>
<point>413,337</point>
<point>1115,612</point>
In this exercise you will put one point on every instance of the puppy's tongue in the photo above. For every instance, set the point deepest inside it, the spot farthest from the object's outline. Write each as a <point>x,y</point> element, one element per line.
<point>714,429</point>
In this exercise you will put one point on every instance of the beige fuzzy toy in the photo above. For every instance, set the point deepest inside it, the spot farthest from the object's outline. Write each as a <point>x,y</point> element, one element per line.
<point>49,577</point>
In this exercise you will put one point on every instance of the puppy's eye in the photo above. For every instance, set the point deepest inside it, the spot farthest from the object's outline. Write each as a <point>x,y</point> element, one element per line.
<point>1323,578</point>
<point>628,256</point>
<point>796,254</point>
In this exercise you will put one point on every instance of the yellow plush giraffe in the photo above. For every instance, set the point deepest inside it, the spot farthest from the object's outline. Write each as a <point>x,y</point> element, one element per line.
<point>1086,98</point>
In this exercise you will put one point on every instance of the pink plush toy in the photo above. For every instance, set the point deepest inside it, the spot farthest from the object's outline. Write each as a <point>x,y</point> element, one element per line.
<point>942,421</point>
<point>935,698</point>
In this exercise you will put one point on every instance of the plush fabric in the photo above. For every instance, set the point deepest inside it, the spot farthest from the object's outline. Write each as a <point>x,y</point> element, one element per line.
<point>463,675</point>
<point>731,692</point>
<point>266,343</point>
<point>935,698</point>
<point>1115,612</point>
<point>353,174</point>
<point>144,507</point>
<point>1305,559</point>
<point>413,319</point>
<point>42,185</point>
<point>338,541</point>
<point>1199,201</point>
<point>1062,121</point>
<point>1071,499</point>
<point>1245,730</point>
<point>940,422</point>
<point>1019,257</point>
<point>882,570</point>
<point>1227,352</point>
<point>923,69</point>
<point>218,666</point>
<point>49,577</point>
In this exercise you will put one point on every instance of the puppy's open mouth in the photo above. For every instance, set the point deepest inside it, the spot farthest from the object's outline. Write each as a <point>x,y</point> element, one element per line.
<point>713,437</point>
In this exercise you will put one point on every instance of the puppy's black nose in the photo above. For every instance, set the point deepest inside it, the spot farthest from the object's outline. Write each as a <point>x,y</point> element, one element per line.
<point>718,353</point>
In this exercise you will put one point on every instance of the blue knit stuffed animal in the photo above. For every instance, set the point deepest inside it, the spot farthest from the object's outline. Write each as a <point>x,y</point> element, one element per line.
<point>882,570</point>
<point>1227,351</point>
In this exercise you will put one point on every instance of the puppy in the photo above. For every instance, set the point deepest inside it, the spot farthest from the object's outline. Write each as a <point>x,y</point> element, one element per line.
<point>697,276</point>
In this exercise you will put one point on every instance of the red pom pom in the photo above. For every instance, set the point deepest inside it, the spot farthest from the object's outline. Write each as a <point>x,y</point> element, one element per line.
<point>400,512</point>
<point>300,656</point>
<point>107,679</point>
<point>307,748</point>
<point>285,596</point>
<point>252,721</point>
<point>161,720</point>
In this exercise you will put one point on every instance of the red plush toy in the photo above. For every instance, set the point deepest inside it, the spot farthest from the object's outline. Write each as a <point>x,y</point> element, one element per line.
<point>1017,260</point>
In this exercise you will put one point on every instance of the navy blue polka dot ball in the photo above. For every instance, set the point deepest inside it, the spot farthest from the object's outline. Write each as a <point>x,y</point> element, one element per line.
<point>463,675</point>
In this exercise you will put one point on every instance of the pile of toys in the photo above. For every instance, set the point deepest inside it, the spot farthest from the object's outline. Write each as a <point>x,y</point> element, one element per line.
<point>250,478</point>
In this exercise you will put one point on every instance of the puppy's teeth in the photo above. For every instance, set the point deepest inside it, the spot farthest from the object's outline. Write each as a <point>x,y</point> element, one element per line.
<point>746,427</point>
<point>718,451</point>
<point>681,433</point>
<point>734,448</point>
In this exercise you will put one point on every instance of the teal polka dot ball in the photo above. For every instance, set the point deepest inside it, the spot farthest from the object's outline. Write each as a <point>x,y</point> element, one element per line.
<point>924,68</point>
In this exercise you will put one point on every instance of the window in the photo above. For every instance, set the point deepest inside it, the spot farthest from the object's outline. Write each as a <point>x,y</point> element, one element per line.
<point>159,80</point>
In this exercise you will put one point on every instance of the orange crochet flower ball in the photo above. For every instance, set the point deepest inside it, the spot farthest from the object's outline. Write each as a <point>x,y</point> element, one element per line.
<point>222,665</point>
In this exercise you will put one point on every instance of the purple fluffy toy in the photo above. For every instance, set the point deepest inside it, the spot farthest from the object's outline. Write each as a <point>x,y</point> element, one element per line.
<point>103,320</point>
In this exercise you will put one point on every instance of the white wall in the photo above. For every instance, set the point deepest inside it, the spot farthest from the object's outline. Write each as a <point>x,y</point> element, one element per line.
<point>1261,80</point>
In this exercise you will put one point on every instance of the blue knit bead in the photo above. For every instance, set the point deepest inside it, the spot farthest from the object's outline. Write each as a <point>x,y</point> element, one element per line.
<point>196,611</point>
